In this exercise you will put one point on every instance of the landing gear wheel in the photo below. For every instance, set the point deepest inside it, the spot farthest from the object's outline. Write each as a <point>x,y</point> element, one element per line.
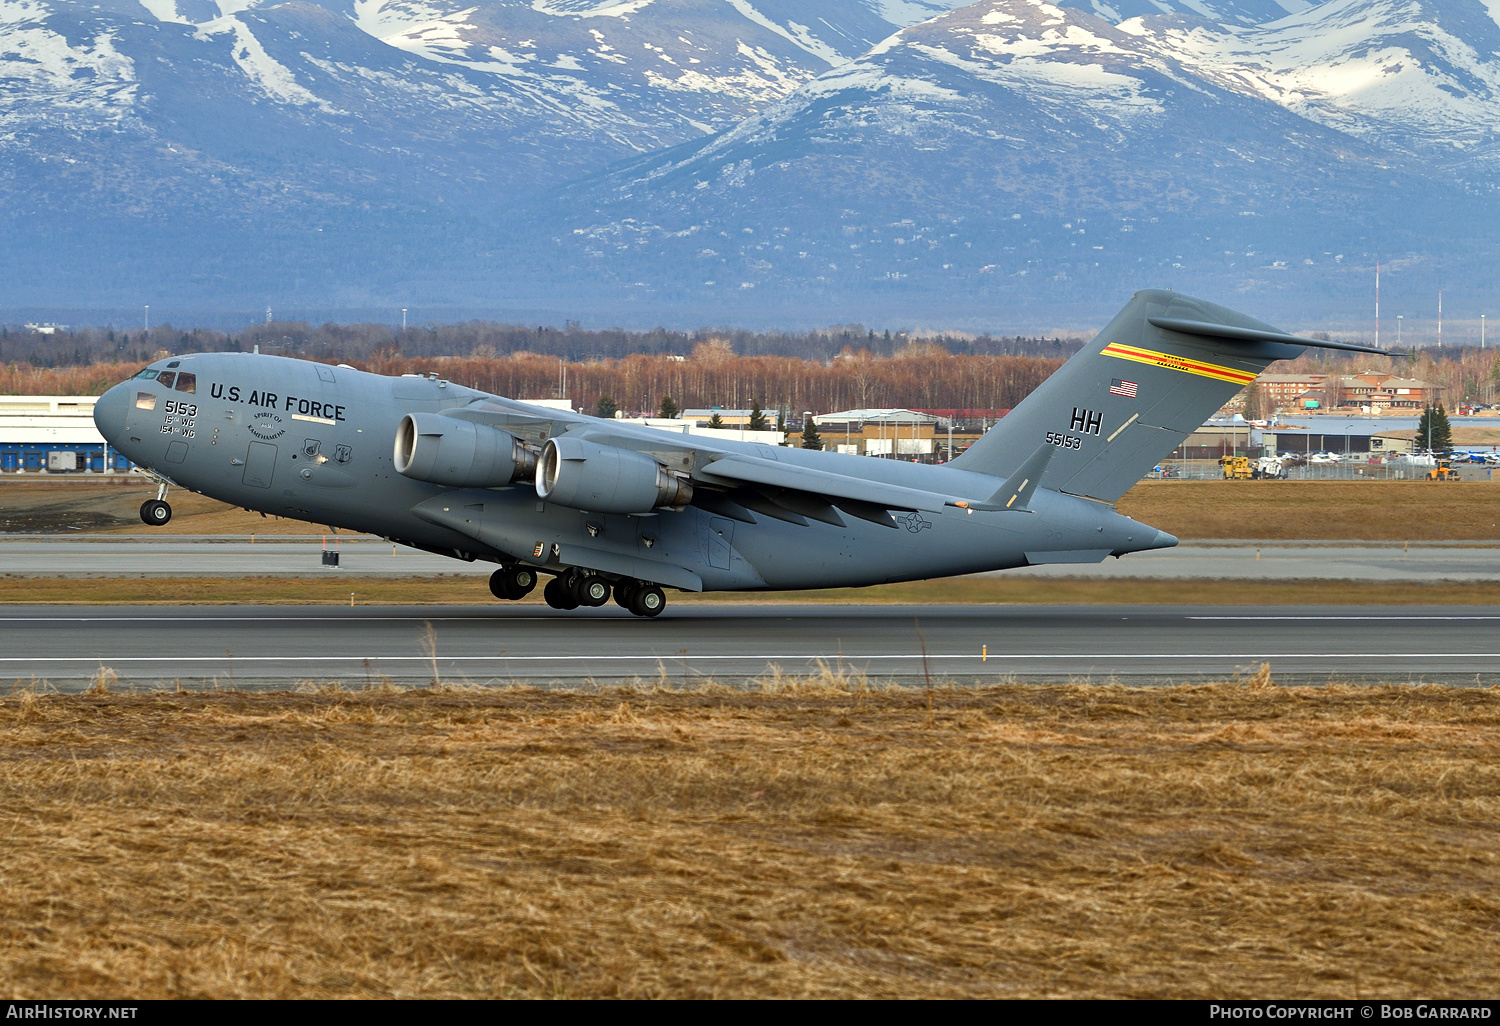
<point>625,594</point>
<point>512,582</point>
<point>522,580</point>
<point>155,512</point>
<point>591,591</point>
<point>558,595</point>
<point>649,601</point>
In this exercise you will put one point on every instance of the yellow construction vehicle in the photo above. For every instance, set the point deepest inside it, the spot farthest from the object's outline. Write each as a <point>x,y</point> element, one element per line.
<point>1442,472</point>
<point>1236,468</point>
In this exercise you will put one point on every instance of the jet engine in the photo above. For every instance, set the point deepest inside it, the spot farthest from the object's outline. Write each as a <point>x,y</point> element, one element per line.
<point>449,451</point>
<point>606,479</point>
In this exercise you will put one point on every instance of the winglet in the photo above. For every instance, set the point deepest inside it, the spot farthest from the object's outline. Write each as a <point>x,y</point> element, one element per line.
<point>1015,494</point>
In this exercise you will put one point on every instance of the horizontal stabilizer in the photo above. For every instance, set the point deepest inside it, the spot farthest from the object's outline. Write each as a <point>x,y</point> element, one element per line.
<point>1206,329</point>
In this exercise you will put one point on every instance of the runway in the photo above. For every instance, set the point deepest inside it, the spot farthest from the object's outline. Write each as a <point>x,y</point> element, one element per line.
<point>277,647</point>
<point>193,556</point>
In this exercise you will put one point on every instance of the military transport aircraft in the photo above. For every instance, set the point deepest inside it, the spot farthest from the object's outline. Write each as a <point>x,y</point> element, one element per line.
<point>610,509</point>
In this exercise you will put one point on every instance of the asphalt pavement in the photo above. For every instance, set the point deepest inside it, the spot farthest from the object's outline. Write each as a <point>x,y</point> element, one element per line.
<point>156,555</point>
<point>278,647</point>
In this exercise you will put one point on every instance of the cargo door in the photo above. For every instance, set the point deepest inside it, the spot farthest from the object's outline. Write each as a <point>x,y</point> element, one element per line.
<point>260,464</point>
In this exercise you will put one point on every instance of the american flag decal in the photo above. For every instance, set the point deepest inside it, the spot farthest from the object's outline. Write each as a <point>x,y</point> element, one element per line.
<point>1119,386</point>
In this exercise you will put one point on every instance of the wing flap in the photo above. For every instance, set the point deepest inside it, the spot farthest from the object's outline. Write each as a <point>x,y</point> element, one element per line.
<point>737,469</point>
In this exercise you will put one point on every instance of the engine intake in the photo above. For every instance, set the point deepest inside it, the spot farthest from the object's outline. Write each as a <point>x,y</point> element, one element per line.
<point>448,451</point>
<point>606,479</point>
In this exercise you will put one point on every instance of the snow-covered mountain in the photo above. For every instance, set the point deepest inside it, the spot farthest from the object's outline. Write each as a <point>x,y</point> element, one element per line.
<point>208,130</point>
<point>1229,12</point>
<point>1411,75</point>
<point>558,88</point>
<point>713,155</point>
<point>1015,152</point>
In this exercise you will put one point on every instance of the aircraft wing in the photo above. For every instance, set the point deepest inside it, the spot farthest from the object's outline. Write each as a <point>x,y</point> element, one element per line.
<point>738,483</point>
<point>533,423</point>
<point>740,470</point>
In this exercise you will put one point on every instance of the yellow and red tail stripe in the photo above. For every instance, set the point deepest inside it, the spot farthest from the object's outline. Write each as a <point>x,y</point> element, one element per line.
<point>1179,363</point>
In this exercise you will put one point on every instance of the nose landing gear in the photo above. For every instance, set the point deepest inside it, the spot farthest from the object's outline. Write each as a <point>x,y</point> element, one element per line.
<point>156,512</point>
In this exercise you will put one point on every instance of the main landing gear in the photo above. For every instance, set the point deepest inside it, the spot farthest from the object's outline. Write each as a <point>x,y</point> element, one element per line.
<point>512,582</point>
<point>156,512</point>
<point>640,598</point>
<point>572,589</point>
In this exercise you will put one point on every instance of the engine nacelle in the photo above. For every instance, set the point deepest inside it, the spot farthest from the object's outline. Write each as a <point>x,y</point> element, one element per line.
<point>448,451</point>
<point>606,479</point>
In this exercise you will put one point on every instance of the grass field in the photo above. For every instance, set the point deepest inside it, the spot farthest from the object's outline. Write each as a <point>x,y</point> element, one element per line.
<point>811,838</point>
<point>1342,510</point>
<point>1305,510</point>
<point>471,589</point>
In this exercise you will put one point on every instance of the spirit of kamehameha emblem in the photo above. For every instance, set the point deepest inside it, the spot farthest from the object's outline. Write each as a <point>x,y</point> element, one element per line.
<point>913,522</point>
<point>266,426</point>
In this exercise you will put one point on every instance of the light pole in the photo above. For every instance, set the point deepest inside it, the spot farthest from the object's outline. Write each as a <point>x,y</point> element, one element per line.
<point>1481,331</point>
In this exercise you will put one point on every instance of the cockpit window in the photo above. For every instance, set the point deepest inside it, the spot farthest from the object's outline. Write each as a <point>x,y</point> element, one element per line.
<point>148,373</point>
<point>145,401</point>
<point>166,379</point>
<point>174,363</point>
<point>187,382</point>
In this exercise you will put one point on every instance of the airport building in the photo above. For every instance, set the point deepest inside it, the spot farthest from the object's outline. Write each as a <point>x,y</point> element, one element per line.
<point>885,432</point>
<point>53,433</point>
<point>1371,392</point>
<point>692,425</point>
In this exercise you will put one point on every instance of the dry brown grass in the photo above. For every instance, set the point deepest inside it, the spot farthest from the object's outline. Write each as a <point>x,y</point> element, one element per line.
<point>51,507</point>
<point>1292,510</point>
<point>1355,510</point>
<point>811,838</point>
<point>472,589</point>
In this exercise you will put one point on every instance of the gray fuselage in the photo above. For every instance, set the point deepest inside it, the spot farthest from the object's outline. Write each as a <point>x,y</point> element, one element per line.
<point>292,438</point>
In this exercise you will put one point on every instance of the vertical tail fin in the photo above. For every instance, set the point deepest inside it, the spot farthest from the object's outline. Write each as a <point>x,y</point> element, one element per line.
<point>1155,373</point>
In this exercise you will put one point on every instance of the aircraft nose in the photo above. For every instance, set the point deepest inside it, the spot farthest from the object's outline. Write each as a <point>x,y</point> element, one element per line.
<point>109,412</point>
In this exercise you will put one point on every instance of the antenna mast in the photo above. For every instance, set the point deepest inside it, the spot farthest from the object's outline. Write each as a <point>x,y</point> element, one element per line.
<point>1377,304</point>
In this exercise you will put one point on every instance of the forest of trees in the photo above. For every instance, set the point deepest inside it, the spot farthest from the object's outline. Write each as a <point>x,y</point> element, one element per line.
<point>932,380</point>
<point>713,370</point>
<point>482,339</point>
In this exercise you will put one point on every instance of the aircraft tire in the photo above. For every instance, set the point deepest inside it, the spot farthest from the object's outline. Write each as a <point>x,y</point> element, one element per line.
<point>625,594</point>
<point>558,595</point>
<point>591,591</point>
<point>155,512</point>
<point>649,601</point>
<point>499,586</point>
<point>517,581</point>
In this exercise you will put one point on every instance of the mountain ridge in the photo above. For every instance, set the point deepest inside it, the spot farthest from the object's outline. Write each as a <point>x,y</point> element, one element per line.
<point>742,156</point>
